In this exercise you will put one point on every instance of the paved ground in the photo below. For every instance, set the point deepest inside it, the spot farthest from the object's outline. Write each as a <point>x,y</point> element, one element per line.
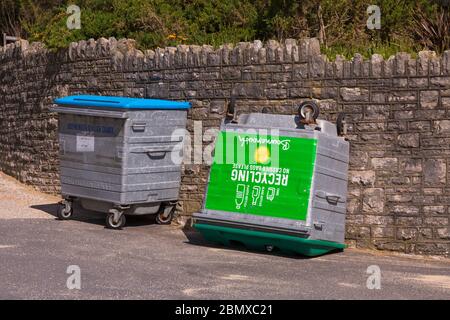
<point>160,262</point>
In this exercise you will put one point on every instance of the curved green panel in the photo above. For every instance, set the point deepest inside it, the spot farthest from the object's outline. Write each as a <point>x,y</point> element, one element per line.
<point>259,240</point>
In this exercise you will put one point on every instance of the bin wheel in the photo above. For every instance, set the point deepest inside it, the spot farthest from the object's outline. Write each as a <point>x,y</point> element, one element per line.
<point>230,115</point>
<point>163,217</point>
<point>231,108</point>
<point>308,110</point>
<point>110,224</point>
<point>340,126</point>
<point>65,211</point>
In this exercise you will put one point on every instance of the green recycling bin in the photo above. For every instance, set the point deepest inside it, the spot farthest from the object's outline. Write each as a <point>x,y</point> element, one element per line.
<point>277,182</point>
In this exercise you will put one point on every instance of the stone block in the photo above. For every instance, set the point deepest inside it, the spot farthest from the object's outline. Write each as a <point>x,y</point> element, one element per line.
<point>373,200</point>
<point>429,99</point>
<point>434,171</point>
<point>408,140</point>
<point>384,163</point>
<point>354,94</point>
<point>363,178</point>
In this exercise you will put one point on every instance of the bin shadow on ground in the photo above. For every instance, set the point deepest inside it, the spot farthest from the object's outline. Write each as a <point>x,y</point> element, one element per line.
<point>196,239</point>
<point>98,218</point>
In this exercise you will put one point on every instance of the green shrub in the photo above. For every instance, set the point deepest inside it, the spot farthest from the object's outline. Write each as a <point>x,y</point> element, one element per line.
<point>340,25</point>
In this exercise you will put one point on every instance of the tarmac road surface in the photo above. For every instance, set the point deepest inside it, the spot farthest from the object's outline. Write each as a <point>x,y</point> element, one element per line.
<point>148,261</point>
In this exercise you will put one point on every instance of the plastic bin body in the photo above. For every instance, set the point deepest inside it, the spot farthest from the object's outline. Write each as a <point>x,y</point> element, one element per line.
<point>291,183</point>
<point>122,153</point>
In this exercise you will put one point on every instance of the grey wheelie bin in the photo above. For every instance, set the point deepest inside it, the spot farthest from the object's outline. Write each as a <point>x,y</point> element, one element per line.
<point>278,182</point>
<point>120,156</point>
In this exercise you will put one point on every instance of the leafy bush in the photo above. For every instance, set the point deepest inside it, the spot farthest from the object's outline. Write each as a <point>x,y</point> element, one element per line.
<point>406,25</point>
<point>433,28</point>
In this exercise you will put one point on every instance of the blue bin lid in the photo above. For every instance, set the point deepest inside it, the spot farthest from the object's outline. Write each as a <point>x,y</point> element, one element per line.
<point>120,102</point>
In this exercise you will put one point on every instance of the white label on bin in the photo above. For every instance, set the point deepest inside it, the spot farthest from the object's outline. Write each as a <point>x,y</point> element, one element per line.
<point>85,143</point>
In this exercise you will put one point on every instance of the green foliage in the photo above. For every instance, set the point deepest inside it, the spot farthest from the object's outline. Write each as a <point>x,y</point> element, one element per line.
<point>339,25</point>
<point>386,50</point>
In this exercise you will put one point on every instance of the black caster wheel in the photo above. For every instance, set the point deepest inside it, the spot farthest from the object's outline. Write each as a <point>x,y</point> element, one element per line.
<point>309,111</point>
<point>65,211</point>
<point>165,216</point>
<point>340,124</point>
<point>111,224</point>
<point>231,109</point>
<point>230,115</point>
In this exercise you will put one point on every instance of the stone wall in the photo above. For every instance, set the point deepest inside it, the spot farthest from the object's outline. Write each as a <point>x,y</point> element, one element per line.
<point>398,118</point>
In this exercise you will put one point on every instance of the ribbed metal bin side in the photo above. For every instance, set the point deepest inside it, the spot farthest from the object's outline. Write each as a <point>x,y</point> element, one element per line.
<point>328,200</point>
<point>126,159</point>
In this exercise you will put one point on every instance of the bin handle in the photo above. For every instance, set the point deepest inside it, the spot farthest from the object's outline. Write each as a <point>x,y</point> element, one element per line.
<point>158,153</point>
<point>140,127</point>
<point>152,150</point>
<point>333,199</point>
